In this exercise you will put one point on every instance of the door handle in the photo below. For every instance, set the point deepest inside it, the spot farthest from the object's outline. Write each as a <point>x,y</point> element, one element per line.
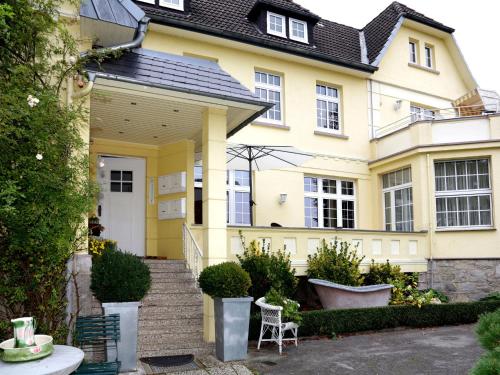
<point>99,210</point>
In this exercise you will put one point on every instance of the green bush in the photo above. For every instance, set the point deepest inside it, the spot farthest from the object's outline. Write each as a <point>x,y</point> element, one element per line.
<point>290,312</point>
<point>437,294</point>
<point>384,273</point>
<point>225,280</point>
<point>494,296</point>
<point>488,332</point>
<point>268,270</point>
<point>336,262</point>
<point>327,322</point>
<point>119,277</point>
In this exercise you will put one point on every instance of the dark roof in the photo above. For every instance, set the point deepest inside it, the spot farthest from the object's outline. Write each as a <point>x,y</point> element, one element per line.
<point>333,42</point>
<point>120,12</point>
<point>378,31</point>
<point>178,73</point>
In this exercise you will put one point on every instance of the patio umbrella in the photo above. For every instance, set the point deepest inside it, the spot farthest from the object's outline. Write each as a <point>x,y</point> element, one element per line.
<point>250,157</point>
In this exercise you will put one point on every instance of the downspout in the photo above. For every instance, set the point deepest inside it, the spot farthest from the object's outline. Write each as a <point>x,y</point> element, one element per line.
<point>429,217</point>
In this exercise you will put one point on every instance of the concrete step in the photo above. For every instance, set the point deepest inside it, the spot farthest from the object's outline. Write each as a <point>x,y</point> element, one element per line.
<point>196,351</point>
<point>168,267</point>
<point>170,324</point>
<point>161,278</point>
<point>179,299</point>
<point>166,286</point>
<point>167,344</point>
<point>160,340</point>
<point>159,275</point>
<point>173,328</point>
<point>171,312</point>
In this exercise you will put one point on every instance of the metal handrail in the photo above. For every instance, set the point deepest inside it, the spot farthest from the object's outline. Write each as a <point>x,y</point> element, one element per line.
<point>192,252</point>
<point>440,114</point>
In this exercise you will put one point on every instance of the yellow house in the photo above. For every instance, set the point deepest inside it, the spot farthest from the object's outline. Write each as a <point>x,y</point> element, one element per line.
<point>404,145</point>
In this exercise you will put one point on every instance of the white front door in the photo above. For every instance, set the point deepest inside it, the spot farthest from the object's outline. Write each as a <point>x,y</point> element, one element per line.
<point>122,206</point>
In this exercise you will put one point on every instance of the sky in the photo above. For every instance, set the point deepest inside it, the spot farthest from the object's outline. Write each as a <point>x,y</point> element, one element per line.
<point>476,23</point>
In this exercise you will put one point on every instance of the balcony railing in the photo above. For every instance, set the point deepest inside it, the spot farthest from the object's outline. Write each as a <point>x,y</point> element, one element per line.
<point>438,114</point>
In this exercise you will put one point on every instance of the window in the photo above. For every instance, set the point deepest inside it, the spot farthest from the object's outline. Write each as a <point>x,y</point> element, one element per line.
<point>268,88</point>
<point>463,194</point>
<point>413,52</point>
<point>421,114</point>
<point>174,4</point>
<point>429,56</point>
<point>198,194</point>
<point>327,108</point>
<point>398,200</point>
<point>276,24</point>
<point>238,197</point>
<point>121,181</point>
<point>329,203</point>
<point>298,30</point>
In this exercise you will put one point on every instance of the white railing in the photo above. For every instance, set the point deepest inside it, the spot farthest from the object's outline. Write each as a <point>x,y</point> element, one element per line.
<point>192,252</point>
<point>439,114</point>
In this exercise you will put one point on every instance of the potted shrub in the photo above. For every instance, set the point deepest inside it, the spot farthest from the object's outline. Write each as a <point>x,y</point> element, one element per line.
<point>228,284</point>
<point>120,280</point>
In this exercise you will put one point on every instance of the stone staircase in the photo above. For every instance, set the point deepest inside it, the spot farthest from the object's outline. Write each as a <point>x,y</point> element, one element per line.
<point>171,316</point>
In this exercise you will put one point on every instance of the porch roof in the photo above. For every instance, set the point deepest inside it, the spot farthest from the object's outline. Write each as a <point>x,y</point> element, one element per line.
<point>176,73</point>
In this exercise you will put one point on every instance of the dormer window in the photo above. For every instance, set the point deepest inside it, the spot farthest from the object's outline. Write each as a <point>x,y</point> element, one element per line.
<point>174,4</point>
<point>298,30</point>
<point>276,24</point>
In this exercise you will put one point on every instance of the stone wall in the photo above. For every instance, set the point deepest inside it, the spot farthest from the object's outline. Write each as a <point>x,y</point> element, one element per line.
<point>463,280</point>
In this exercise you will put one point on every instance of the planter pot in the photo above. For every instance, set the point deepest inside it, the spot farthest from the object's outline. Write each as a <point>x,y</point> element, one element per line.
<point>127,346</point>
<point>232,318</point>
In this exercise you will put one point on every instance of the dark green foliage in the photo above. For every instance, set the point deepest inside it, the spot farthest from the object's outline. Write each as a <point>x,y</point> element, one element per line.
<point>383,274</point>
<point>268,270</point>
<point>290,312</point>
<point>225,280</point>
<point>336,262</point>
<point>119,277</point>
<point>42,200</point>
<point>326,322</point>
<point>488,332</point>
<point>437,294</point>
<point>494,296</point>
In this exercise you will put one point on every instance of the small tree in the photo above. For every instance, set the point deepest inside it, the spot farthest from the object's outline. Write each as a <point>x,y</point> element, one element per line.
<point>44,185</point>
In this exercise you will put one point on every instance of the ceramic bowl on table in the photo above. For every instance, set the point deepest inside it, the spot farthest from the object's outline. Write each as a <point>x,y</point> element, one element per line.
<point>42,348</point>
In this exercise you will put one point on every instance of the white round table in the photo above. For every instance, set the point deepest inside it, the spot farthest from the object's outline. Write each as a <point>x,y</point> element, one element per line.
<point>63,361</point>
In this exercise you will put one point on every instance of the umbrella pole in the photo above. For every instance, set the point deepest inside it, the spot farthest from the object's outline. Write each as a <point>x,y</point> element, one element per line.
<point>251,185</point>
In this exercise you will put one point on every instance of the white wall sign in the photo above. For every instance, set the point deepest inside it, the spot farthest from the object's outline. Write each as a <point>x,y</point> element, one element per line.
<point>172,209</point>
<point>172,183</point>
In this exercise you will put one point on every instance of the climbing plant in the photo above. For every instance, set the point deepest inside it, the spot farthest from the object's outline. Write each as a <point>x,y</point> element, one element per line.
<point>44,185</point>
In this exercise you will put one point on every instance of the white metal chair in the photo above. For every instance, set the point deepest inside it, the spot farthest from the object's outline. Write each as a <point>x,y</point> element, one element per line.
<point>271,321</point>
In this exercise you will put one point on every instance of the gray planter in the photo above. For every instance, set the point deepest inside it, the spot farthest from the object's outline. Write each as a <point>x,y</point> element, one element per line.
<point>127,346</point>
<point>232,318</point>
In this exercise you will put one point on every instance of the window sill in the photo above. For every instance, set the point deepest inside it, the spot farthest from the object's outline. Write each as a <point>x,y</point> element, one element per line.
<point>481,229</point>
<point>271,125</point>
<point>332,135</point>
<point>421,67</point>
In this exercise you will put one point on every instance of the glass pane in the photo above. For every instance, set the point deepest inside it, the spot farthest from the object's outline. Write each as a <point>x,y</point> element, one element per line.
<point>241,178</point>
<point>482,166</point>
<point>116,175</point>
<point>116,187</point>
<point>311,212</point>
<point>472,182</point>
<point>439,169</point>
<point>127,175</point>
<point>347,187</point>
<point>471,167</point>
<point>348,214</point>
<point>485,217</point>
<point>440,204</point>
<point>385,181</point>
<point>441,219</point>
<point>450,169</point>
<point>451,183</point>
<point>484,202</point>
<point>484,181</point>
<point>329,213</point>
<point>198,174</point>
<point>440,184</point>
<point>329,186</point>
<point>310,184</point>
<point>127,187</point>
<point>460,168</point>
<point>242,207</point>
<point>473,203</point>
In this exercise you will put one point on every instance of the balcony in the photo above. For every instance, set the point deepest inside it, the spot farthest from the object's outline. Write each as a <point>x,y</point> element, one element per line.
<point>458,125</point>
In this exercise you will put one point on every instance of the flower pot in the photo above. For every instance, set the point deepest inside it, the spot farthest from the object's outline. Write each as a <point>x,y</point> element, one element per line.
<point>232,318</point>
<point>127,346</point>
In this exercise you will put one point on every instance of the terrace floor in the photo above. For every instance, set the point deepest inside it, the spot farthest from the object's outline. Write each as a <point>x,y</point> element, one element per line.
<point>443,350</point>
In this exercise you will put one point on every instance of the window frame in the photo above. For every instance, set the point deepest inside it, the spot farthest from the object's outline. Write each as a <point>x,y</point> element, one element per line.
<point>166,4</point>
<point>305,39</point>
<point>420,114</point>
<point>463,193</point>
<point>326,98</point>
<point>283,24</point>
<point>414,44</point>
<point>430,58</point>
<point>270,87</point>
<point>392,193</point>
<point>231,189</point>
<point>339,197</point>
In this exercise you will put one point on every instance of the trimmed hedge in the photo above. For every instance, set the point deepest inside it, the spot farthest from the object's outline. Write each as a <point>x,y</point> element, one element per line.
<point>327,322</point>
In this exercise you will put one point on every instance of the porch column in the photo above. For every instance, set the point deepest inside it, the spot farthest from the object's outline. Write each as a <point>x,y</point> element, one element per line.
<point>214,201</point>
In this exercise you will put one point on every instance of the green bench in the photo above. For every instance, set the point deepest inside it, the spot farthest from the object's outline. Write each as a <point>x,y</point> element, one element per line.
<point>99,333</point>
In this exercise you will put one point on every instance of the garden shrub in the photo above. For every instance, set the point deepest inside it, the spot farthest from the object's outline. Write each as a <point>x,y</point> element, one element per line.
<point>494,296</point>
<point>268,270</point>
<point>488,332</point>
<point>119,277</point>
<point>45,190</point>
<point>290,312</point>
<point>384,273</point>
<point>225,280</point>
<point>336,262</point>
<point>98,246</point>
<point>328,322</point>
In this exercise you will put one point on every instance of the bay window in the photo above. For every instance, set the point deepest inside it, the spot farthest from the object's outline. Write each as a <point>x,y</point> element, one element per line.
<point>463,194</point>
<point>329,203</point>
<point>398,200</point>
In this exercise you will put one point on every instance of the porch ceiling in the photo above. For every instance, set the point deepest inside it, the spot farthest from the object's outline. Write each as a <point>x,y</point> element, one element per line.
<point>135,118</point>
